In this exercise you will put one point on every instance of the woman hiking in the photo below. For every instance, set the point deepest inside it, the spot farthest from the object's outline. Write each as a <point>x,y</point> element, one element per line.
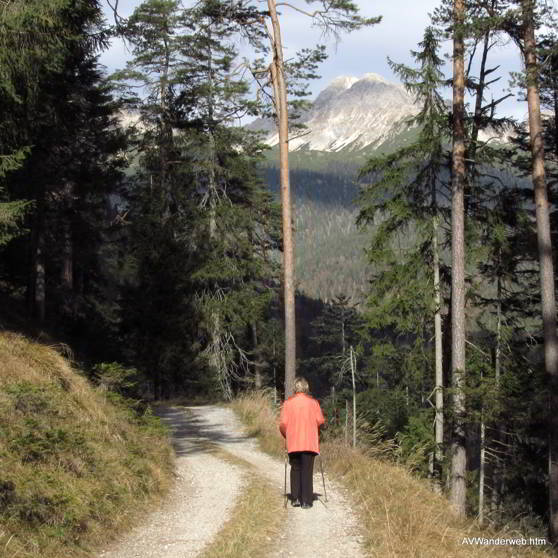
<point>299,422</point>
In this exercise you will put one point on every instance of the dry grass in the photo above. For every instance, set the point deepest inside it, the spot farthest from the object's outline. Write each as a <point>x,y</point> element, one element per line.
<point>77,465</point>
<point>401,515</point>
<point>255,410</point>
<point>255,520</point>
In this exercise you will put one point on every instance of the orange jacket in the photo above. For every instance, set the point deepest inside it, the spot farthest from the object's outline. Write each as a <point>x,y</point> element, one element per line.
<point>300,418</point>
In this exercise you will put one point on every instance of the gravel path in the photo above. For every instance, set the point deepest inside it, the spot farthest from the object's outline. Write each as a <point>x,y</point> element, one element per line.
<point>327,529</point>
<point>200,503</point>
<point>196,508</point>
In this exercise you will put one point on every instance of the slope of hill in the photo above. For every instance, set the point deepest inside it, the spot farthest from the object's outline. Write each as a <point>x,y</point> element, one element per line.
<point>76,462</point>
<point>350,120</point>
<point>329,250</point>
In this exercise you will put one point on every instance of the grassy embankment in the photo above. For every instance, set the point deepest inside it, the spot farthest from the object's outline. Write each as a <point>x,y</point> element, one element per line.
<point>401,515</point>
<point>77,464</point>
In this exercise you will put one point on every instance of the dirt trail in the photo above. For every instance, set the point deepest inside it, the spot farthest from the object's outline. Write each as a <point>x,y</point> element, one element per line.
<point>207,487</point>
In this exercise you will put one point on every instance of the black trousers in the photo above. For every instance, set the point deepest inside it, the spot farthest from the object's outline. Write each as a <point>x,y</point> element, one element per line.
<point>302,471</point>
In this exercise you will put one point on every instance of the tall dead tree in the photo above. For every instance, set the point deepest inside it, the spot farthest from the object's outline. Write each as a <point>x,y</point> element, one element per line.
<point>335,16</point>
<point>280,97</point>
<point>458,450</point>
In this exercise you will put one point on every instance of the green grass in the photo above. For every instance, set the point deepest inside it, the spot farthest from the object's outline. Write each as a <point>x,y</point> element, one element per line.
<point>78,465</point>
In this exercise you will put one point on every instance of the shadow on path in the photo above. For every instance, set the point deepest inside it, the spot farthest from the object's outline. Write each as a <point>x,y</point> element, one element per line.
<point>193,433</point>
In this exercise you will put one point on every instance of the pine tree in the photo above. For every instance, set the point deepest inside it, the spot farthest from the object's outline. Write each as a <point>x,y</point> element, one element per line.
<point>458,457</point>
<point>545,252</point>
<point>333,17</point>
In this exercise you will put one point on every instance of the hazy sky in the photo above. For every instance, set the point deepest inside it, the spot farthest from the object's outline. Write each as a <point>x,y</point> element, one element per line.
<point>401,29</point>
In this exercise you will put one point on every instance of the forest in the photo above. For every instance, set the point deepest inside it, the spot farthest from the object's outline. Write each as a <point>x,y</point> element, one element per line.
<point>146,229</point>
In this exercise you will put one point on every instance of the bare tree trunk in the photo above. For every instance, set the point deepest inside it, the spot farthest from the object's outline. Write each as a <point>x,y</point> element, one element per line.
<point>482,466</point>
<point>274,376</point>
<point>458,456</point>
<point>36,293</point>
<point>439,368</point>
<point>216,360</point>
<point>346,422</point>
<point>343,340</point>
<point>545,256</point>
<point>280,98</point>
<point>495,437</point>
<point>353,368</point>
<point>67,258</point>
<point>67,273</point>
<point>40,275</point>
<point>555,99</point>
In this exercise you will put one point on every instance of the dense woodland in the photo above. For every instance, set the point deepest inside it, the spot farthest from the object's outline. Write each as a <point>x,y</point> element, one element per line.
<point>140,224</point>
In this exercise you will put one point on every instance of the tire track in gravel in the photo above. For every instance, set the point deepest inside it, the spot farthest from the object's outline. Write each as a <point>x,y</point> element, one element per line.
<point>207,488</point>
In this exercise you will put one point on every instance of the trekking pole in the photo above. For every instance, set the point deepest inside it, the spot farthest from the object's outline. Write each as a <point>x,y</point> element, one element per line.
<point>285,485</point>
<point>323,479</point>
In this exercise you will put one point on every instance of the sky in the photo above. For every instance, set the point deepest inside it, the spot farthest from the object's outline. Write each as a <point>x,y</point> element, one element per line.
<point>363,51</point>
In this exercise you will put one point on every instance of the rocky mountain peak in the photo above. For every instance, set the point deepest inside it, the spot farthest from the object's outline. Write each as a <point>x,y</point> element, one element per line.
<point>352,113</point>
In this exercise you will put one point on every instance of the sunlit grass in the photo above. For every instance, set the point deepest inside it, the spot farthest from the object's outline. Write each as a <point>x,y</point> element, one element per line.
<point>77,465</point>
<point>255,519</point>
<point>400,514</point>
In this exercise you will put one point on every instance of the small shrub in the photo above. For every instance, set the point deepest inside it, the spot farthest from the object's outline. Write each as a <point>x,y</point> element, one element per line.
<point>115,377</point>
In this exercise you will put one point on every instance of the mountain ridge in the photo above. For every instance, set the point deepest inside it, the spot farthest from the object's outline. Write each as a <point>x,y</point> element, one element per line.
<point>351,113</point>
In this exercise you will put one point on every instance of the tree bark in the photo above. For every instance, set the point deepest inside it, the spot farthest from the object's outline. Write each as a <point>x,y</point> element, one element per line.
<point>67,272</point>
<point>458,454</point>
<point>439,368</point>
<point>545,256</point>
<point>36,291</point>
<point>280,98</point>
<point>555,100</point>
<point>495,469</point>
<point>343,341</point>
<point>482,471</point>
<point>353,368</point>
<point>40,276</point>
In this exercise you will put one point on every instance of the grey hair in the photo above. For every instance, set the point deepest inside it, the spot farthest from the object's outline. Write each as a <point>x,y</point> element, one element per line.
<point>301,385</point>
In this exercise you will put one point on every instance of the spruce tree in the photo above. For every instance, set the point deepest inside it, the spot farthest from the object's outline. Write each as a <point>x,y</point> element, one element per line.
<point>404,202</point>
<point>333,16</point>
<point>202,170</point>
<point>39,86</point>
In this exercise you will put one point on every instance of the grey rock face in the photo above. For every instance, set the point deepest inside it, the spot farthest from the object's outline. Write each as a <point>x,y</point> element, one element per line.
<point>351,113</point>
